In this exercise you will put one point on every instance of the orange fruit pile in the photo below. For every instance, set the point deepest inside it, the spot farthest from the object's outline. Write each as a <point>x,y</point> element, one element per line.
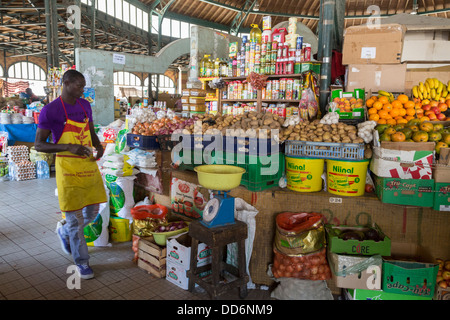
<point>399,111</point>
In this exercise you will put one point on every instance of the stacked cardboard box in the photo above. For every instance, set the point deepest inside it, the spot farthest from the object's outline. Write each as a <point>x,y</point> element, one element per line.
<point>441,176</point>
<point>403,172</point>
<point>396,56</point>
<point>20,166</point>
<point>193,100</point>
<point>179,259</point>
<point>356,264</point>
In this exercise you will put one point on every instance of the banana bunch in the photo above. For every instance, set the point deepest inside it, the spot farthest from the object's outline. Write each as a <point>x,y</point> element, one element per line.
<point>431,89</point>
<point>389,95</point>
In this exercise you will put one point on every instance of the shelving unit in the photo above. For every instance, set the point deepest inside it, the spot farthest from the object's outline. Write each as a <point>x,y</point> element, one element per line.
<point>259,101</point>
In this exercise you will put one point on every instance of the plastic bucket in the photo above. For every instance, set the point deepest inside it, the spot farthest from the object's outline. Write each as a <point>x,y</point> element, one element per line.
<point>304,174</point>
<point>346,178</point>
<point>119,229</point>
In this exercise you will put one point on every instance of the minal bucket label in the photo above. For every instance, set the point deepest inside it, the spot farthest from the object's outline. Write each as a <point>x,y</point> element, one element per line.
<point>304,175</point>
<point>347,178</point>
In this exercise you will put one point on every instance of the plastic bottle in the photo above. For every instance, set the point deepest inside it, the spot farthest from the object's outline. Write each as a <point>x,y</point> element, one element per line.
<point>217,68</point>
<point>209,67</point>
<point>279,35</point>
<point>255,34</point>
<point>203,66</point>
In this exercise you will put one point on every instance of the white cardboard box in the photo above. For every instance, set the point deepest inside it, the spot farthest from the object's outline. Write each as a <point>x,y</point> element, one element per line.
<point>369,278</point>
<point>404,160</point>
<point>177,275</point>
<point>179,251</point>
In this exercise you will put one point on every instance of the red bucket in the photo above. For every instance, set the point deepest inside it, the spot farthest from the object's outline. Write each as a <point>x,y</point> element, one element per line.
<point>36,117</point>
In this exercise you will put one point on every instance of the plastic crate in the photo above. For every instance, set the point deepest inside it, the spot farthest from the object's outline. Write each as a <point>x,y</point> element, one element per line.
<point>195,158</point>
<point>142,142</point>
<point>261,172</point>
<point>324,150</point>
<point>250,146</point>
<point>166,143</point>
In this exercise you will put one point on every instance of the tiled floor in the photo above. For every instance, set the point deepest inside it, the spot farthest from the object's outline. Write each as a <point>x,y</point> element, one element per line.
<point>33,266</point>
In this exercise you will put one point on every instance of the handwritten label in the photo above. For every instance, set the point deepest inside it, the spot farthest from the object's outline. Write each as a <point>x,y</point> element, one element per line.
<point>119,58</point>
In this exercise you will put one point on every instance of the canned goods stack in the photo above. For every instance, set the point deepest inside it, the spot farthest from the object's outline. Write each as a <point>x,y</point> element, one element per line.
<point>282,89</point>
<point>276,53</point>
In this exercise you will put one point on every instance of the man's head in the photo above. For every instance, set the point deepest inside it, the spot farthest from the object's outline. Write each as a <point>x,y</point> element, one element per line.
<point>29,91</point>
<point>74,83</point>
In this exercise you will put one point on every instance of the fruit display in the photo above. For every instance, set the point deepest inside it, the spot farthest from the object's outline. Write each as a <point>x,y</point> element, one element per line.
<point>385,109</point>
<point>416,131</point>
<point>348,104</point>
<point>443,275</point>
<point>432,89</point>
<point>432,110</point>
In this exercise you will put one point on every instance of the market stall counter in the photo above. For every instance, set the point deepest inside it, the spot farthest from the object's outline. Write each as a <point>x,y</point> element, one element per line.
<point>19,132</point>
<point>421,231</point>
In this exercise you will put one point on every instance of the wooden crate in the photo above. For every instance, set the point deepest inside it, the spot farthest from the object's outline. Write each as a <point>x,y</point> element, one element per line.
<point>152,258</point>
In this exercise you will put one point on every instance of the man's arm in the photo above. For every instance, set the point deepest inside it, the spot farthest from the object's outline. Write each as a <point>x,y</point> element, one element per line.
<point>41,145</point>
<point>96,142</point>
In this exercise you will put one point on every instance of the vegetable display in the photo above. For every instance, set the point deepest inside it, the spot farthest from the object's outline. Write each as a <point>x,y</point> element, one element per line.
<point>173,226</point>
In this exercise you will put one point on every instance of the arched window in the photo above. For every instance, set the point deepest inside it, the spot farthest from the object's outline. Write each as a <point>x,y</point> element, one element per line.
<point>28,71</point>
<point>127,84</point>
<point>165,83</point>
<point>2,73</point>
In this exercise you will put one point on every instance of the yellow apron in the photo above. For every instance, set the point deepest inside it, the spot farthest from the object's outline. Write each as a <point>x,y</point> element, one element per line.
<point>78,178</point>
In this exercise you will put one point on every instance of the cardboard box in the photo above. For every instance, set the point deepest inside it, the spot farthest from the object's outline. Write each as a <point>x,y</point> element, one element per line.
<point>403,160</point>
<point>409,277</point>
<point>426,44</point>
<point>442,294</point>
<point>355,247</point>
<point>441,176</point>
<point>376,77</point>
<point>177,275</point>
<point>179,251</point>
<point>415,75</point>
<point>407,192</point>
<point>356,272</point>
<point>361,294</point>
<point>373,45</point>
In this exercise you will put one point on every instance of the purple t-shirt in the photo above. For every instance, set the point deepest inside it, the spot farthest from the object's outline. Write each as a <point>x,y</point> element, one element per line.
<point>53,117</point>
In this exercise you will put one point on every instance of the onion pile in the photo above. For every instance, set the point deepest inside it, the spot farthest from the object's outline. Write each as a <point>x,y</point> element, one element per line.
<point>173,226</point>
<point>309,267</point>
<point>163,126</point>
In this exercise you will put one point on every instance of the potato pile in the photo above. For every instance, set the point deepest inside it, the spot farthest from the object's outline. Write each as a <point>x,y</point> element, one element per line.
<point>251,124</point>
<point>319,132</point>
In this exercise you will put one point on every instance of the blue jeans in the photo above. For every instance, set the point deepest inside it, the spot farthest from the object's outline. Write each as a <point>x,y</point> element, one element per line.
<point>74,230</point>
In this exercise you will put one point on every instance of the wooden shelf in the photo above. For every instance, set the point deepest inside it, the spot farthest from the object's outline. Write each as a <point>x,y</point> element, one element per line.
<point>281,100</point>
<point>239,100</point>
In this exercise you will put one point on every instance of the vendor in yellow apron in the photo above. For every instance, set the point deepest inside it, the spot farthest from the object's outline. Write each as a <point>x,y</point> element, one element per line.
<point>78,178</point>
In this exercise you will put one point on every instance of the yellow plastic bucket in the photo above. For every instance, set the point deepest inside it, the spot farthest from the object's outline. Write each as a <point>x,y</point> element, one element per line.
<point>304,174</point>
<point>346,178</point>
<point>119,229</point>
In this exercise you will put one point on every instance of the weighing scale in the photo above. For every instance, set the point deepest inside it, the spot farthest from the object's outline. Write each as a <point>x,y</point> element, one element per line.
<point>219,211</point>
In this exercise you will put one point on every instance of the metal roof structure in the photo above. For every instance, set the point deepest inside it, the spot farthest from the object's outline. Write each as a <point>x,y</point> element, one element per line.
<point>28,28</point>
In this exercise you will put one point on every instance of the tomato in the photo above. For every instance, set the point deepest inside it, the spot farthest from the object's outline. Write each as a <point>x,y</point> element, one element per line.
<point>369,188</point>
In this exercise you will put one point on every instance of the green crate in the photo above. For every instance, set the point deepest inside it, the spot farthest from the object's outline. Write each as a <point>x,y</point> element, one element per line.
<point>261,173</point>
<point>195,158</point>
<point>441,196</point>
<point>409,277</point>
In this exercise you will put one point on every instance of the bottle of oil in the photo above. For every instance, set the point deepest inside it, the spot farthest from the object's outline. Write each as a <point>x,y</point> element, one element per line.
<point>209,66</point>
<point>203,65</point>
<point>217,68</point>
<point>255,34</point>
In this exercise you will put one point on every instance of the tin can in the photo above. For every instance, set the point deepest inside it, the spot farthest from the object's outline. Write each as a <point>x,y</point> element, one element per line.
<point>282,94</point>
<point>273,68</point>
<point>269,90</point>
<point>289,89</point>
<point>281,111</point>
<point>308,52</point>
<point>299,45</point>
<point>257,68</point>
